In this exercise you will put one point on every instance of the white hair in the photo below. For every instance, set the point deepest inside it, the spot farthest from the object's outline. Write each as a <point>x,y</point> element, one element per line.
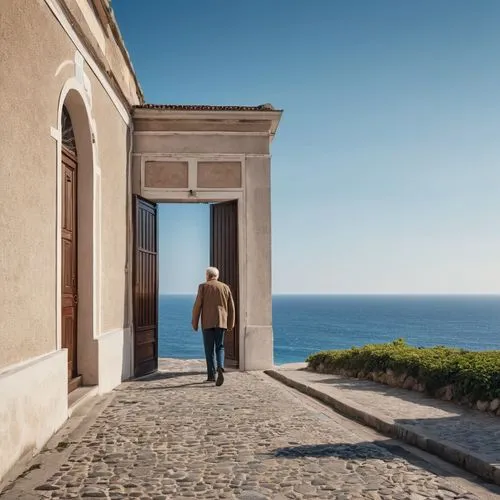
<point>212,273</point>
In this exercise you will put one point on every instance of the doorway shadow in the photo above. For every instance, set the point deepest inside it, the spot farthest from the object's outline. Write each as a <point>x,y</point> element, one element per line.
<point>166,375</point>
<point>193,385</point>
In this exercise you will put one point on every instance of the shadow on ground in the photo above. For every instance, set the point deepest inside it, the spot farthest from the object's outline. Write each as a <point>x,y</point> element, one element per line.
<point>345,451</point>
<point>480,434</point>
<point>194,385</point>
<point>377,450</point>
<point>166,375</point>
<point>148,382</point>
<point>405,394</point>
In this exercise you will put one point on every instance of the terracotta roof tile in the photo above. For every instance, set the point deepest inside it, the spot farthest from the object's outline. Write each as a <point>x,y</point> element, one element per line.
<point>205,107</point>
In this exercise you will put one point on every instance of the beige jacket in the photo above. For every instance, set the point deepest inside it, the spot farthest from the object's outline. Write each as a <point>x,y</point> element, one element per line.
<point>215,304</point>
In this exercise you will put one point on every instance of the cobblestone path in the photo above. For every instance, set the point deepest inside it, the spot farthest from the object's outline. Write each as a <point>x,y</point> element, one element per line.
<point>174,436</point>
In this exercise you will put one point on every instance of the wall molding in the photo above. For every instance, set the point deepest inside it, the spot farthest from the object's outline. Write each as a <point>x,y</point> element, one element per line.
<point>115,331</point>
<point>66,25</point>
<point>202,156</point>
<point>77,85</point>
<point>200,132</point>
<point>34,405</point>
<point>178,196</point>
<point>55,133</point>
<point>192,159</point>
<point>9,370</point>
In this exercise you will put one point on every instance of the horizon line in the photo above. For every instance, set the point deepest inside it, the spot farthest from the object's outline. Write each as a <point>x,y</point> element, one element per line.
<point>365,294</point>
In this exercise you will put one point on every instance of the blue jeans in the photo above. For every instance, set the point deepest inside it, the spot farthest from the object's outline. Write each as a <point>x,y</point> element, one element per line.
<point>213,340</point>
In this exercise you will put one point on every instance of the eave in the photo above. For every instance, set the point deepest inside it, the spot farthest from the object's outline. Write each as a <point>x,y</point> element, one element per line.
<point>223,115</point>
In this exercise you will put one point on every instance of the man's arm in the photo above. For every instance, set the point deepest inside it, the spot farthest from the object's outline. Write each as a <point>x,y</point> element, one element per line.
<point>231,314</point>
<point>198,304</point>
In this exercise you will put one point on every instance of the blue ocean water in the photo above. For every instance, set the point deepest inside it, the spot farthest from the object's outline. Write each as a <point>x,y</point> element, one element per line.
<point>306,324</point>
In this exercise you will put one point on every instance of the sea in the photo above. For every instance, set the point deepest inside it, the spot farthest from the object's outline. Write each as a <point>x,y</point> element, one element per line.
<point>309,323</point>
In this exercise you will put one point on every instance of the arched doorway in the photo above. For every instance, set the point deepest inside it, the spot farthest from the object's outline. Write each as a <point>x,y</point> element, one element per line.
<point>78,257</point>
<point>69,244</point>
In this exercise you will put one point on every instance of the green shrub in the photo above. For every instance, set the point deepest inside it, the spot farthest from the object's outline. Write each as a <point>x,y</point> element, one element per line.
<point>474,375</point>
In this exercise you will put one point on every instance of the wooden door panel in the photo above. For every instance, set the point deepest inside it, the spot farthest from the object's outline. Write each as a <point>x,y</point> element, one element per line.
<point>68,212</point>
<point>67,269</point>
<point>145,287</point>
<point>68,339</point>
<point>224,256</point>
<point>146,351</point>
<point>69,287</point>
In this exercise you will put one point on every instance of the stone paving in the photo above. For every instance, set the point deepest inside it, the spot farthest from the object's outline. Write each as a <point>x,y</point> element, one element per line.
<point>442,420</point>
<point>174,436</point>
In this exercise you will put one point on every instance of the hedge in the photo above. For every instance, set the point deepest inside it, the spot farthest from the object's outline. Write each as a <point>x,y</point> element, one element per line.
<point>474,375</point>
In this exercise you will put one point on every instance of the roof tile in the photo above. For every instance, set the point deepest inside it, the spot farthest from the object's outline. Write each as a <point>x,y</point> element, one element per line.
<point>205,107</point>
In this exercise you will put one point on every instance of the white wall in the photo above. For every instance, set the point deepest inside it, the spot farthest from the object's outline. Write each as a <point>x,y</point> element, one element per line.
<point>33,405</point>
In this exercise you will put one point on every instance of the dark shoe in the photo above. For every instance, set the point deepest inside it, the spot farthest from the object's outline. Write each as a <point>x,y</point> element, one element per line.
<point>211,378</point>
<point>220,377</point>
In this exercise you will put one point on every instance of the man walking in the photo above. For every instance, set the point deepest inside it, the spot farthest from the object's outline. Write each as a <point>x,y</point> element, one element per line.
<point>216,305</point>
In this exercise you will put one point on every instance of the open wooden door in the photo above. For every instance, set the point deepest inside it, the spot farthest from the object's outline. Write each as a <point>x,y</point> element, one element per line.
<point>145,287</point>
<point>224,256</point>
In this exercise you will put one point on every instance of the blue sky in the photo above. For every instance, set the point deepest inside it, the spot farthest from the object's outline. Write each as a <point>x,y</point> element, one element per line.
<point>386,166</point>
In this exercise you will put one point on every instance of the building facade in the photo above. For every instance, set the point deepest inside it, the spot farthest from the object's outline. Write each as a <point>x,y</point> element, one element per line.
<point>83,163</point>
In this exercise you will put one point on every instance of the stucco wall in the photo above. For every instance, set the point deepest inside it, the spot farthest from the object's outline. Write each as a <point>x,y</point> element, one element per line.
<point>201,144</point>
<point>105,47</point>
<point>258,225</point>
<point>113,156</point>
<point>33,406</point>
<point>32,47</point>
<point>258,337</point>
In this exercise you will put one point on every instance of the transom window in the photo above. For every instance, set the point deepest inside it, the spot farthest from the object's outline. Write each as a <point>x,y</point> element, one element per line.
<point>68,134</point>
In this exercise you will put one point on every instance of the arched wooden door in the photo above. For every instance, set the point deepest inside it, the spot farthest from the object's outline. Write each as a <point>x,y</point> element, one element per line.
<point>69,250</point>
<point>224,256</point>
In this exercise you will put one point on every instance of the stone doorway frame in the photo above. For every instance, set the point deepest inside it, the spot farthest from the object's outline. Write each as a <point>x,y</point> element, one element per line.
<point>75,97</point>
<point>185,140</point>
<point>219,198</point>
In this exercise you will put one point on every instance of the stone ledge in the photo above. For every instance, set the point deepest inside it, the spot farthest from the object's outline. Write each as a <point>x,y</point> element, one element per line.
<point>450,452</point>
<point>405,381</point>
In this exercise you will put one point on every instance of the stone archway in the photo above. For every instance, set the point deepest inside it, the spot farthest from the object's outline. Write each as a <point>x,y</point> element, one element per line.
<point>76,266</point>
